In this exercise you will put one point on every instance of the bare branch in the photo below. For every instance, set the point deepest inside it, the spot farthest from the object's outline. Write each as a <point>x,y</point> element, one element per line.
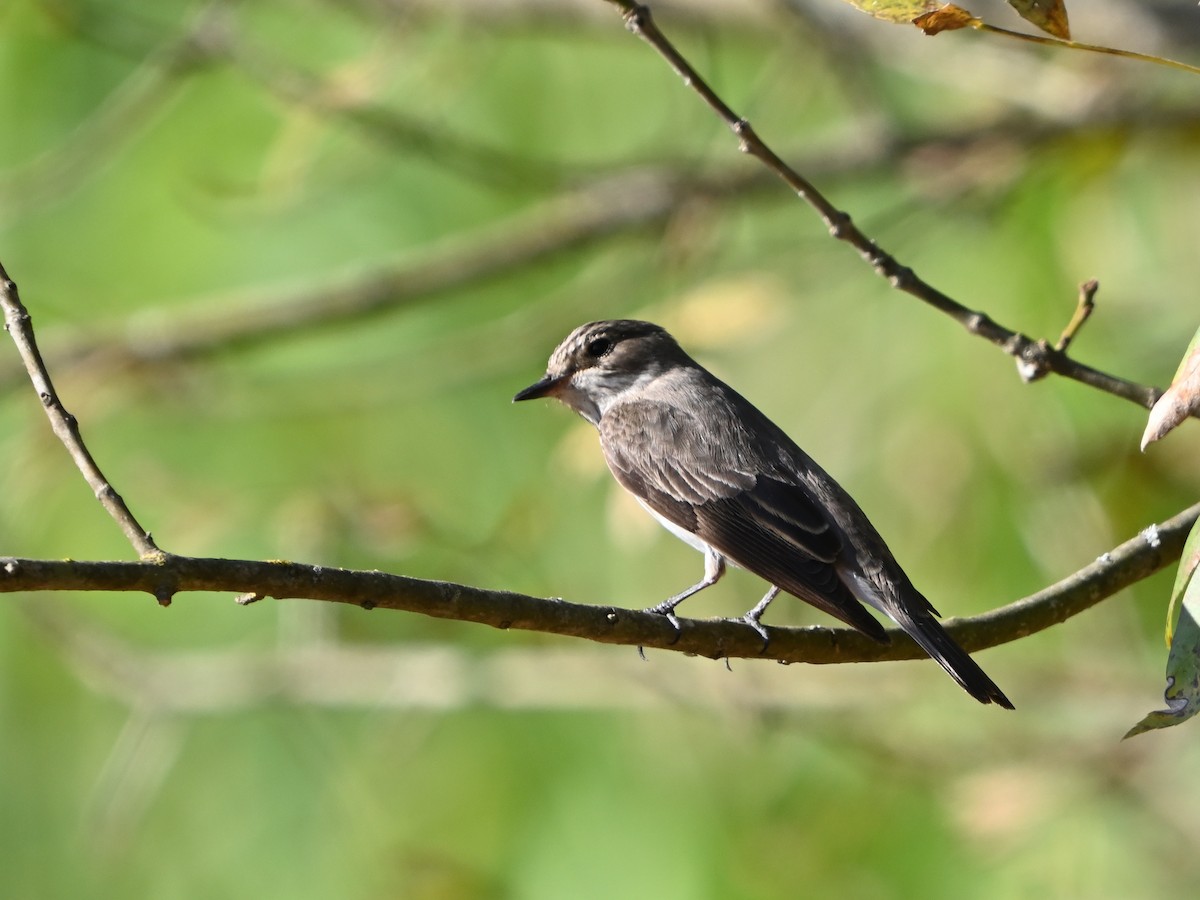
<point>1083,312</point>
<point>1037,367</point>
<point>1031,356</point>
<point>17,323</point>
<point>1136,559</point>
<point>210,37</point>
<point>604,209</point>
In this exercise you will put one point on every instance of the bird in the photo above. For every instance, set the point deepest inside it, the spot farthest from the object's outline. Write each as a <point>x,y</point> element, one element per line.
<point>720,475</point>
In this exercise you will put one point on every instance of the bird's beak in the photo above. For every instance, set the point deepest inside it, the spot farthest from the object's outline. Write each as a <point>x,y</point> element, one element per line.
<point>544,388</point>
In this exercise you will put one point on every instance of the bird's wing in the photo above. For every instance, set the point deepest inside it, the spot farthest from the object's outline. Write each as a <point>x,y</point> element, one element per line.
<point>769,526</point>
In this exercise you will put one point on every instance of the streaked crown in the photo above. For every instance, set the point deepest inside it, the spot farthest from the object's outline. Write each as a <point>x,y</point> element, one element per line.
<point>626,342</point>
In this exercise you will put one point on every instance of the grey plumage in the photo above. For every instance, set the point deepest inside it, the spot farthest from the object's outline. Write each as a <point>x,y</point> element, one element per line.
<point>725,478</point>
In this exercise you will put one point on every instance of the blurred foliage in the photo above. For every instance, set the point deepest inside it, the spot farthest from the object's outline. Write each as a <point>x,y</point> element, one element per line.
<point>171,159</point>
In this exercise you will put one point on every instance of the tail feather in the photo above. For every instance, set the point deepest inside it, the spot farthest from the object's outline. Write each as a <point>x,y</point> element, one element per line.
<point>933,639</point>
<point>908,608</point>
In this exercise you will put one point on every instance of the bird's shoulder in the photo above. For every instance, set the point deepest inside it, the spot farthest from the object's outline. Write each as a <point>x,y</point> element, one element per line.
<point>665,453</point>
<point>691,410</point>
<point>648,423</point>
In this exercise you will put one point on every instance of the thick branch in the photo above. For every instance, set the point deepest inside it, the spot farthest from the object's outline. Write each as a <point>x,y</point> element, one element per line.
<point>1132,561</point>
<point>1031,356</point>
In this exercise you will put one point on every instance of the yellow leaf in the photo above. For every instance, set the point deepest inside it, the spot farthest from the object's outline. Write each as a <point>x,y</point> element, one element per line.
<point>901,11</point>
<point>1048,15</point>
<point>948,18</point>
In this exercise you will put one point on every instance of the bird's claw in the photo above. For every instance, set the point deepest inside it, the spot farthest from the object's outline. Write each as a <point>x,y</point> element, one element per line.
<point>668,610</point>
<point>752,620</point>
<point>667,607</point>
<point>674,620</point>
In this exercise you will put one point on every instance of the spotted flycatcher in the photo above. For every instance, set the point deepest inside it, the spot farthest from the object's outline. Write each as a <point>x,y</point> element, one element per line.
<point>723,477</point>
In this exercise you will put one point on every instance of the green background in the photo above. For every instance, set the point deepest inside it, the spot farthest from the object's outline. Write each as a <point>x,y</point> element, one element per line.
<point>172,168</point>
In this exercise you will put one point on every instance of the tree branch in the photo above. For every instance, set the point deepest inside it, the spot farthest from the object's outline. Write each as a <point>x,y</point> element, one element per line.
<point>163,575</point>
<point>1034,358</point>
<point>19,326</point>
<point>1132,561</point>
<point>1083,312</point>
<point>604,209</point>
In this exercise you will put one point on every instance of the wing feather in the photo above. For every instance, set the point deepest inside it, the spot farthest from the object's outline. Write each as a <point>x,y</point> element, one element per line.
<point>770,526</point>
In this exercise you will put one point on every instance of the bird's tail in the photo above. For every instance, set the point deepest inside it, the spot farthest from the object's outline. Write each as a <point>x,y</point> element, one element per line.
<point>923,628</point>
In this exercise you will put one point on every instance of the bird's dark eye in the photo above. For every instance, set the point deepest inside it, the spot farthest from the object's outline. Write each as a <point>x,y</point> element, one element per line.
<point>597,347</point>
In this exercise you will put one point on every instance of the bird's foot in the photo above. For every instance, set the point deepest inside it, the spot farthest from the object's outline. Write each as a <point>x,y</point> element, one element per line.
<point>752,619</point>
<point>667,608</point>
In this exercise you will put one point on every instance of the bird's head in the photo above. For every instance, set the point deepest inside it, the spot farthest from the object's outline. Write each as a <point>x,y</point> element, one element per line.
<point>599,361</point>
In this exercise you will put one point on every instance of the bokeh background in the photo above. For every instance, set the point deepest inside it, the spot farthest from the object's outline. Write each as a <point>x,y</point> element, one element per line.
<point>290,260</point>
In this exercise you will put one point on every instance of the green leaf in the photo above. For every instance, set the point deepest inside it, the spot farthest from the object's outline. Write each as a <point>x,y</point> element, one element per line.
<point>1183,662</point>
<point>1188,561</point>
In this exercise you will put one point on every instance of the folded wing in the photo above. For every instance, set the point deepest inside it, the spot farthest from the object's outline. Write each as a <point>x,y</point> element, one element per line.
<point>771,527</point>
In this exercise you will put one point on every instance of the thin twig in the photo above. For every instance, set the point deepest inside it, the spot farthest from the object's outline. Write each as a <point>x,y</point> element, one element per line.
<point>19,326</point>
<point>1030,355</point>
<point>1083,311</point>
<point>1037,367</point>
<point>1132,561</point>
<point>1092,48</point>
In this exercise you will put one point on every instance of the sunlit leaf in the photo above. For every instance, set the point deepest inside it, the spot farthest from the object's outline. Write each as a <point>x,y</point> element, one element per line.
<point>1181,399</point>
<point>1183,674</point>
<point>1188,560</point>
<point>1183,662</point>
<point>1048,15</point>
<point>902,11</point>
<point>948,18</point>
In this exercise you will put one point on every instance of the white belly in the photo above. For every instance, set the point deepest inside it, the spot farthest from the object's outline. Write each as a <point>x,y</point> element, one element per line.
<point>682,533</point>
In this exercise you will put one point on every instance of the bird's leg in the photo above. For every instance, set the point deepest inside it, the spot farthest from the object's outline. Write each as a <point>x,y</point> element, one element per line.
<point>714,568</point>
<point>752,618</point>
